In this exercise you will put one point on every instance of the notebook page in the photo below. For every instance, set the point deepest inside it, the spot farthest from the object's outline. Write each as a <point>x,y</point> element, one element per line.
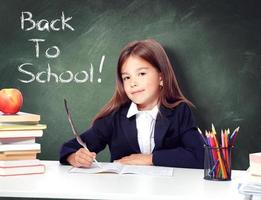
<point>106,167</point>
<point>147,170</point>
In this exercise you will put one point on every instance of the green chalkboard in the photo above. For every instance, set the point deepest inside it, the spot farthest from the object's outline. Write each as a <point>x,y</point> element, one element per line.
<point>53,50</point>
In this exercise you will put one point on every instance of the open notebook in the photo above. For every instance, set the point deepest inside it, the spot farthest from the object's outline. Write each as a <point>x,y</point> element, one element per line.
<point>125,169</point>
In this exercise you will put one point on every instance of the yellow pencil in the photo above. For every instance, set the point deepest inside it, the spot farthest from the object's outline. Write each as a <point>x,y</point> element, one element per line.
<point>223,170</point>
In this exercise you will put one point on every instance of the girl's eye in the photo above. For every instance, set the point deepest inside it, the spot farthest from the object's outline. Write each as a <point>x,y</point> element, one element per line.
<point>142,73</point>
<point>125,78</point>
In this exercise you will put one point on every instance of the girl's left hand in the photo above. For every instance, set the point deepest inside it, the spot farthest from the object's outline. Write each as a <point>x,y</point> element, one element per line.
<point>136,159</point>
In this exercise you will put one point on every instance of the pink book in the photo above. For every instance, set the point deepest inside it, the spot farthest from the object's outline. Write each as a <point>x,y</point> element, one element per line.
<point>255,164</point>
<point>21,167</point>
<point>255,157</point>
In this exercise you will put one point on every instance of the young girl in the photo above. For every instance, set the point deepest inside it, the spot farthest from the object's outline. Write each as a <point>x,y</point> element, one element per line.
<point>147,121</point>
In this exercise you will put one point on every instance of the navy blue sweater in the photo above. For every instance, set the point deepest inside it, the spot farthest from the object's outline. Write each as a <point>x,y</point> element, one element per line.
<point>177,141</point>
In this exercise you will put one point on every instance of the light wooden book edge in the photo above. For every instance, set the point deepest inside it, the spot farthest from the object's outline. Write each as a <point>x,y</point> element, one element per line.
<point>20,117</point>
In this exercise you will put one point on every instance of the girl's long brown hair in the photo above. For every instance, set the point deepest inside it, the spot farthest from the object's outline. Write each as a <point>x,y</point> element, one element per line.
<point>151,51</point>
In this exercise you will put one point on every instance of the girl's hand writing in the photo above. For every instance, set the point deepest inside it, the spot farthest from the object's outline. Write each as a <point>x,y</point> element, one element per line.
<point>136,159</point>
<point>81,158</point>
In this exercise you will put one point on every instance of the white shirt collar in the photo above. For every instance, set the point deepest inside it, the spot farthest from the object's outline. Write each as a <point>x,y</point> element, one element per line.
<point>133,110</point>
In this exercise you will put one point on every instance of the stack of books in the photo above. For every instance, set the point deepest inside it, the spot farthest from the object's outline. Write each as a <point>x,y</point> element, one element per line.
<point>18,147</point>
<point>250,185</point>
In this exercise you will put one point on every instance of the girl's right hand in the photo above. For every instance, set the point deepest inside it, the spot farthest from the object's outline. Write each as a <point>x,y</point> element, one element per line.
<point>81,158</point>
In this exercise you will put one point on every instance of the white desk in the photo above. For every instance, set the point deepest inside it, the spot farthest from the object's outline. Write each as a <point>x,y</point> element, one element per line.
<point>58,183</point>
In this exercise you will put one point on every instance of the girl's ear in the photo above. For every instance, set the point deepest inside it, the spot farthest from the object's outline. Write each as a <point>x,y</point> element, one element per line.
<point>161,81</point>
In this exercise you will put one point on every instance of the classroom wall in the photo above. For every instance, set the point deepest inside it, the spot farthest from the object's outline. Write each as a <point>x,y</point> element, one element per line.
<point>215,48</point>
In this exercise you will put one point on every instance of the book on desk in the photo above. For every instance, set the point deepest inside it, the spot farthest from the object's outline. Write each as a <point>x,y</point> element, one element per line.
<point>251,183</point>
<point>124,169</point>
<point>20,117</point>
<point>18,147</point>
<point>21,167</point>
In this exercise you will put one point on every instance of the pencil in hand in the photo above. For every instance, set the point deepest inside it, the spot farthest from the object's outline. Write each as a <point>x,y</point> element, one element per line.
<point>78,138</point>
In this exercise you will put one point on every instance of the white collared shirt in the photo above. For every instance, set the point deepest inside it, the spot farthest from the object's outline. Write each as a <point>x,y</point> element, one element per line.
<point>145,122</point>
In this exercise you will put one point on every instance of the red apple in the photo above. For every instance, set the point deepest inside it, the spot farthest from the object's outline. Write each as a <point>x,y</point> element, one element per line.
<point>11,100</point>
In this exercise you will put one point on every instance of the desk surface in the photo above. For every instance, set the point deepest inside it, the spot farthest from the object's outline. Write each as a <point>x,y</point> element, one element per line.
<point>58,183</point>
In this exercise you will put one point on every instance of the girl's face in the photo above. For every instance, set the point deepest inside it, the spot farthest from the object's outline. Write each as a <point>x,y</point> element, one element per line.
<point>141,82</point>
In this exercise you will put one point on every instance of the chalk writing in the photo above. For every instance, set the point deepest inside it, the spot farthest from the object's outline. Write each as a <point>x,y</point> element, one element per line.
<point>100,68</point>
<point>43,24</point>
<point>52,52</point>
<point>47,54</point>
<point>48,75</point>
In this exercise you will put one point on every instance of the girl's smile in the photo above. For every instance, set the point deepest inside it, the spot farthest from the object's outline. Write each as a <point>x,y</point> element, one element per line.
<point>137,92</point>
